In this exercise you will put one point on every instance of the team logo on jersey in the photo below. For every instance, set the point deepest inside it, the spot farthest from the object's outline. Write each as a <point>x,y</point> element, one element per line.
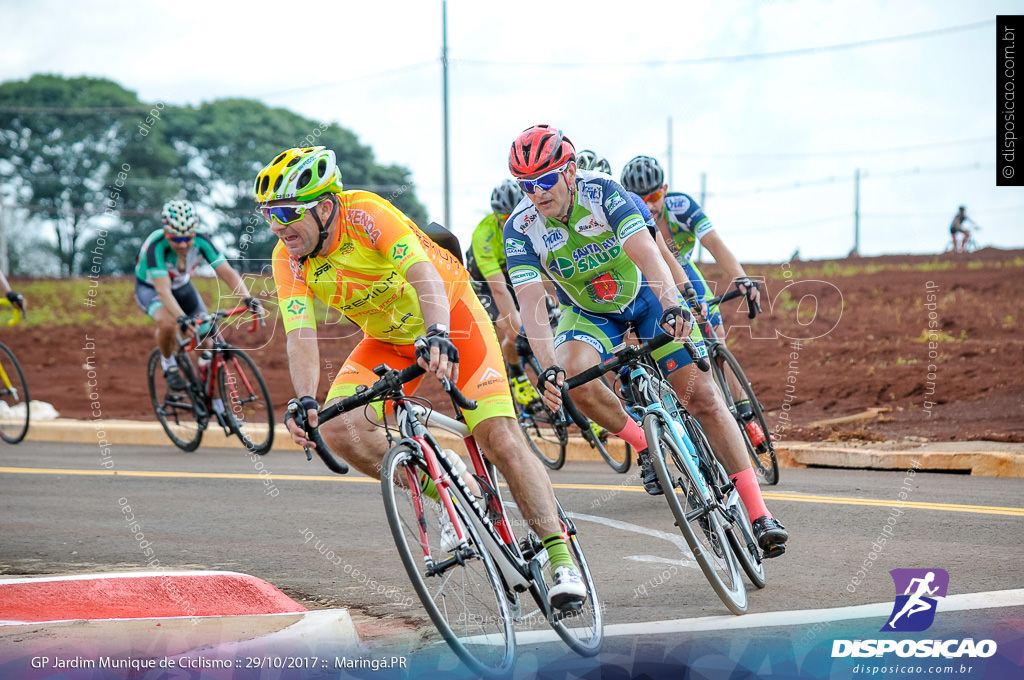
<point>514,246</point>
<point>914,610</point>
<point>593,255</point>
<point>592,192</point>
<point>399,251</point>
<point>604,288</point>
<point>520,275</point>
<point>347,248</point>
<point>296,307</point>
<point>679,203</point>
<point>562,267</point>
<point>363,219</point>
<point>589,224</point>
<point>490,374</point>
<point>555,238</point>
<point>614,202</point>
<point>321,269</point>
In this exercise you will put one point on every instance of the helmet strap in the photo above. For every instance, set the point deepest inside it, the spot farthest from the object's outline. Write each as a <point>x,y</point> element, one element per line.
<point>323,230</point>
<point>572,200</point>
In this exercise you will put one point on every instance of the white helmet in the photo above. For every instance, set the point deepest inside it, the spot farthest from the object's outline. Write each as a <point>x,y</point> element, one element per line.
<point>180,217</point>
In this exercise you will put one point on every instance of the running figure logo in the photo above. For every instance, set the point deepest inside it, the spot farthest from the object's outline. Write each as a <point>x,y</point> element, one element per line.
<point>914,610</point>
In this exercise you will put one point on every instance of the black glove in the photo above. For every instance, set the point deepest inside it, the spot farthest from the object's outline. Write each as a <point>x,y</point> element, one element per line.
<point>669,317</point>
<point>747,283</point>
<point>523,348</point>
<point>550,376</point>
<point>16,299</point>
<point>436,337</point>
<point>186,322</point>
<point>302,404</point>
<point>254,305</point>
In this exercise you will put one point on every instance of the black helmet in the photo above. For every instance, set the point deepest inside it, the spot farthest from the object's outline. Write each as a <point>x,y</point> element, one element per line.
<point>505,197</point>
<point>643,175</point>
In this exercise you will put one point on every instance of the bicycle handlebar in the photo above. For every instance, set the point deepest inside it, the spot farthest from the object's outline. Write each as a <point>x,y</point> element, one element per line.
<point>629,353</point>
<point>391,382</point>
<point>17,311</point>
<point>690,295</point>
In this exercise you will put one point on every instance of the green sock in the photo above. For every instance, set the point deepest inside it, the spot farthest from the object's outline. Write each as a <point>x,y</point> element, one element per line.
<point>428,488</point>
<point>558,551</point>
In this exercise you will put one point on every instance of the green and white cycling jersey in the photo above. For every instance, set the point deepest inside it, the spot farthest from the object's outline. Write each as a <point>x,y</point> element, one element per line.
<point>687,223</point>
<point>585,258</point>
<point>157,258</point>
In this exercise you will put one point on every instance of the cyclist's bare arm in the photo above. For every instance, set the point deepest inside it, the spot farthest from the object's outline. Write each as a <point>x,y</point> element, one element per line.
<point>503,299</point>
<point>642,249</point>
<point>229,276</point>
<point>534,311</point>
<point>724,257</point>
<point>435,308</point>
<point>304,368</point>
<point>162,284</point>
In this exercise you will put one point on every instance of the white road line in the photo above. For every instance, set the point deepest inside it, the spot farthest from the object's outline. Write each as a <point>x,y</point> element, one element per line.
<point>969,601</point>
<point>686,558</point>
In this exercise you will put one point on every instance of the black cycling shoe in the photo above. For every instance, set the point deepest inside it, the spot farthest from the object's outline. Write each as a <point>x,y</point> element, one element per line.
<point>648,475</point>
<point>771,535</point>
<point>174,380</point>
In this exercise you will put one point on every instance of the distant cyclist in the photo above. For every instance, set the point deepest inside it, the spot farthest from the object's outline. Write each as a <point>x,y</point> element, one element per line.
<point>163,283</point>
<point>582,231</point>
<point>16,299</point>
<point>956,228</point>
<point>682,223</point>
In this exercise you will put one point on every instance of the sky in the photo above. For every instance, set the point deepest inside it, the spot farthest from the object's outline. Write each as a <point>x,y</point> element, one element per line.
<point>903,90</point>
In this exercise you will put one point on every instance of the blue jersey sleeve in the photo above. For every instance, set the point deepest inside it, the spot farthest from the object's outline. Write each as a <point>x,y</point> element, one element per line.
<point>619,208</point>
<point>688,213</point>
<point>521,259</point>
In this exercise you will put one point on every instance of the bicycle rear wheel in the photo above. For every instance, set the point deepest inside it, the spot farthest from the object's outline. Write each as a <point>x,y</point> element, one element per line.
<point>174,410</point>
<point>756,435</point>
<point>545,432</point>
<point>462,591</point>
<point>739,531</point>
<point>14,398</point>
<point>701,524</point>
<point>246,400</point>
<point>583,630</point>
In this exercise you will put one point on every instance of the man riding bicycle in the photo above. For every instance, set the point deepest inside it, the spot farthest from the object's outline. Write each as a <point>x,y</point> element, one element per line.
<point>163,285</point>
<point>956,227</point>
<point>586,234</point>
<point>682,223</point>
<point>359,254</point>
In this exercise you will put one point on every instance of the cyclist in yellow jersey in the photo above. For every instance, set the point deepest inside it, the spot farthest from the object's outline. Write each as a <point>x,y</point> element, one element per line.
<point>359,254</point>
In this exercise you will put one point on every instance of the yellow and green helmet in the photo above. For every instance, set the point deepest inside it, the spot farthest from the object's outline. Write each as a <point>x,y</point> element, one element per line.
<point>303,173</point>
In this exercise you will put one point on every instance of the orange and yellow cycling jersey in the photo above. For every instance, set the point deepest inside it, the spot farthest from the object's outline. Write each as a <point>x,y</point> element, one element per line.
<point>365,273</point>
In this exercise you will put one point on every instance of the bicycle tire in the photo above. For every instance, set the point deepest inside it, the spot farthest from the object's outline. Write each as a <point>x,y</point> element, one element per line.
<point>483,638</point>
<point>169,405</point>
<point>710,546</point>
<point>617,445</point>
<point>583,632</point>
<point>246,400</point>
<point>739,530</point>
<point>763,458</point>
<point>13,395</point>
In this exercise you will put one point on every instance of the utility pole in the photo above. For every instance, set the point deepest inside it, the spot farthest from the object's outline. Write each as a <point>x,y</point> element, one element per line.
<point>444,72</point>
<point>4,268</point>
<point>856,213</point>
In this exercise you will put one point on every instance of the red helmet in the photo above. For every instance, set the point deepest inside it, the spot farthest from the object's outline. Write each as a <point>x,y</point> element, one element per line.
<point>538,150</point>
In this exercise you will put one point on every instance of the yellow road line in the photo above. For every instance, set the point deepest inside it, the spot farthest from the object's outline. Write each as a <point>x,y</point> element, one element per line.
<point>769,495</point>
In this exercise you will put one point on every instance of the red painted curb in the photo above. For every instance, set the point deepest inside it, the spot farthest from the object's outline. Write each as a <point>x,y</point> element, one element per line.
<point>145,595</point>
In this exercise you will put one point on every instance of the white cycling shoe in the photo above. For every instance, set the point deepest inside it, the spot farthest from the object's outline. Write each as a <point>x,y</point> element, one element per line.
<point>568,591</point>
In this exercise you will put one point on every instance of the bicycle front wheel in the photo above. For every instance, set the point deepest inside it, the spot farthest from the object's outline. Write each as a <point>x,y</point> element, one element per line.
<point>247,401</point>
<point>460,588</point>
<point>14,398</point>
<point>583,630</point>
<point>754,430</point>
<point>701,523</point>
<point>174,409</point>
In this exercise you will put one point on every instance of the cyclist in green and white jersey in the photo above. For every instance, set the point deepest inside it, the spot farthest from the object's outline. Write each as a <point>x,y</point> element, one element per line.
<point>163,286</point>
<point>586,234</point>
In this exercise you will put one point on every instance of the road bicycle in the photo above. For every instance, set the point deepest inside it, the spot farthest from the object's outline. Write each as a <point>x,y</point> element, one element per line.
<point>224,386</point>
<point>704,502</point>
<point>14,397</point>
<point>459,549</point>
<point>547,433</point>
<point>753,425</point>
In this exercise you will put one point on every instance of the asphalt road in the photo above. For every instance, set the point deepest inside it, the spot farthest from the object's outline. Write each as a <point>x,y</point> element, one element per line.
<point>64,512</point>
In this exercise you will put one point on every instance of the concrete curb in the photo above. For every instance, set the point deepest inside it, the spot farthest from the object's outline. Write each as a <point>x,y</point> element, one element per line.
<point>990,459</point>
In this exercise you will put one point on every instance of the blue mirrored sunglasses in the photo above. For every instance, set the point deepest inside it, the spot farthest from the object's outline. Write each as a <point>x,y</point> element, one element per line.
<point>545,182</point>
<point>181,239</point>
<point>285,214</point>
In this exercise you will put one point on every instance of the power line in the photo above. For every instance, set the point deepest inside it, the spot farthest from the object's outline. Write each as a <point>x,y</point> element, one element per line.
<point>849,152</point>
<point>738,57</point>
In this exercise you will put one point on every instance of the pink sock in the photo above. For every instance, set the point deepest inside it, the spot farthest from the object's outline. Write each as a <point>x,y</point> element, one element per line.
<point>746,484</point>
<point>633,435</point>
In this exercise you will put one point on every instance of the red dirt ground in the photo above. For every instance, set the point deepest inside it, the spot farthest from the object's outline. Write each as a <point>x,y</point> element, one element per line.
<point>865,345</point>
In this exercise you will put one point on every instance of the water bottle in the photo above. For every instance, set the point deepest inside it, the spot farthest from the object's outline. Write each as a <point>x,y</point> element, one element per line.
<point>205,357</point>
<point>455,461</point>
